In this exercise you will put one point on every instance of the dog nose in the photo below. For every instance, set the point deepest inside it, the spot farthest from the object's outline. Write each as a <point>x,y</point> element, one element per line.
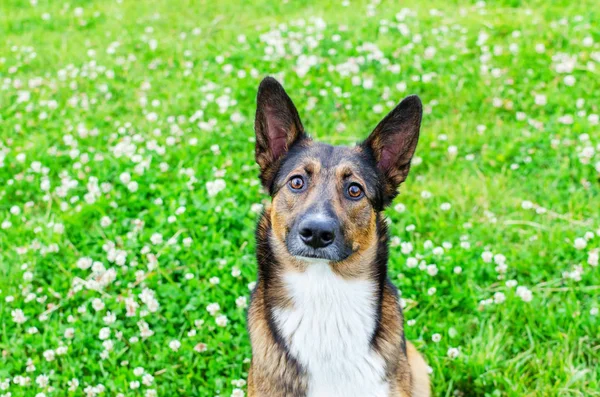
<point>317,232</point>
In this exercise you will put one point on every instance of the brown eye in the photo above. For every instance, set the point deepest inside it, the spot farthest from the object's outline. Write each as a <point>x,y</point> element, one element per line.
<point>296,183</point>
<point>355,191</point>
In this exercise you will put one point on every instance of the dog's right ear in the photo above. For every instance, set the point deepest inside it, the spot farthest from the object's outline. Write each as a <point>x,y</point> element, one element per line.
<point>277,127</point>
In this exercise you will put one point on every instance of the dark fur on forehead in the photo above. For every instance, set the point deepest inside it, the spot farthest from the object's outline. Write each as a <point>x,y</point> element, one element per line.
<point>330,156</point>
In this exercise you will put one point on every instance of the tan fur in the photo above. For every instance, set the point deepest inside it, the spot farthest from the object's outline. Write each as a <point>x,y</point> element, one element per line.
<point>419,372</point>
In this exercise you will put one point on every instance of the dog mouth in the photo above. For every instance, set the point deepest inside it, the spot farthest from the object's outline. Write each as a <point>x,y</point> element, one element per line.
<point>333,253</point>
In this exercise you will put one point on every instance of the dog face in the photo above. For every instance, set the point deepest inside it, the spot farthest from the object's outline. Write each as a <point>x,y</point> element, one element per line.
<point>326,199</point>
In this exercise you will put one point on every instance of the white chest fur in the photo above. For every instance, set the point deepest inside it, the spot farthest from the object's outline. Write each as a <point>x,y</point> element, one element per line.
<point>329,330</point>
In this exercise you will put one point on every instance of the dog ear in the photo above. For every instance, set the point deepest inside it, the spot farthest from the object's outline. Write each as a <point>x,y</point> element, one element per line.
<point>277,127</point>
<point>393,143</point>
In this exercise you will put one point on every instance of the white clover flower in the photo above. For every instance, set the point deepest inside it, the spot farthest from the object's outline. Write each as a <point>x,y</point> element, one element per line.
<point>432,270</point>
<point>105,221</point>
<point>174,345</point>
<point>156,238</point>
<point>593,258</point>
<point>436,338</point>
<point>73,384</point>
<point>42,380</point>
<point>104,333</point>
<point>487,256</point>
<point>18,316</point>
<point>138,371</point>
<point>406,248</point>
<point>499,298</point>
<point>453,352</point>
<point>200,347</point>
<point>213,308</point>
<point>580,243</point>
<point>134,385</point>
<point>221,320</point>
<point>412,262</point>
<point>214,187</point>
<point>569,80</point>
<point>237,393</point>
<point>49,355</point>
<point>241,302</point>
<point>524,293</point>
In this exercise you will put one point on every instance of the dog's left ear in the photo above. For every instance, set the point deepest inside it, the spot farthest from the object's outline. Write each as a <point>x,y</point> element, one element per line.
<point>393,143</point>
<point>277,127</point>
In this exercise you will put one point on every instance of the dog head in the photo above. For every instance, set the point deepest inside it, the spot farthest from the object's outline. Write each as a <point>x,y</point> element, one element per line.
<point>326,199</point>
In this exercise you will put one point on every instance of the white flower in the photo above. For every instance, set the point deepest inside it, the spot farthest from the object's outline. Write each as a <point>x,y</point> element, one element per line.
<point>540,100</point>
<point>241,302</point>
<point>73,384</point>
<point>400,207</point>
<point>42,380</point>
<point>214,187</point>
<point>569,80</point>
<point>69,333</point>
<point>104,333</point>
<point>432,270</point>
<point>256,208</point>
<point>453,352</point>
<point>594,311</point>
<point>445,206</point>
<point>580,243</point>
<point>105,221</point>
<point>134,385</point>
<point>221,320</point>
<point>524,293</point>
<point>132,186</point>
<point>593,257</point>
<point>436,338</point>
<point>97,304</point>
<point>84,263</point>
<point>412,262</point>
<point>237,393</point>
<point>138,371</point>
<point>499,297</point>
<point>527,205</point>
<point>49,355</point>
<point>487,256</point>
<point>18,316</point>
<point>147,379</point>
<point>156,238</point>
<point>174,345</point>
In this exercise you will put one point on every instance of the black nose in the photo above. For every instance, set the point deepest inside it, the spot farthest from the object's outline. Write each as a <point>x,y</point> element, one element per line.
<point>317,232</point>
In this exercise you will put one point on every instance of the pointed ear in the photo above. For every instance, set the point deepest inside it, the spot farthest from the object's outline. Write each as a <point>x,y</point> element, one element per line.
<point>393,143</point>
<point>277,127</point>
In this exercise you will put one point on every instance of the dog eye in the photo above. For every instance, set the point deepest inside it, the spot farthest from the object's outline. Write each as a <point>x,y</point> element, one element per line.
<point>355,191</point>
<point>296,183</point>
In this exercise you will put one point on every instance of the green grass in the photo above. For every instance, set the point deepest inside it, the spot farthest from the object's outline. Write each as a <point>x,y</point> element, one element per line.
<point>81,118</point>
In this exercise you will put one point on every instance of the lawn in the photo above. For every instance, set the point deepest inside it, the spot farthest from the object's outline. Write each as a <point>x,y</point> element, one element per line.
<point>129,192</point>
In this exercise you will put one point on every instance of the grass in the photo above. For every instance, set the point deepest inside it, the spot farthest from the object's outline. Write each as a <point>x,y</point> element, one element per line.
<point>95,95</point>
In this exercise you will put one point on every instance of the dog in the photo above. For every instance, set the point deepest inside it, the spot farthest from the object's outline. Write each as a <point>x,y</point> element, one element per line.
<point>324,318</point>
